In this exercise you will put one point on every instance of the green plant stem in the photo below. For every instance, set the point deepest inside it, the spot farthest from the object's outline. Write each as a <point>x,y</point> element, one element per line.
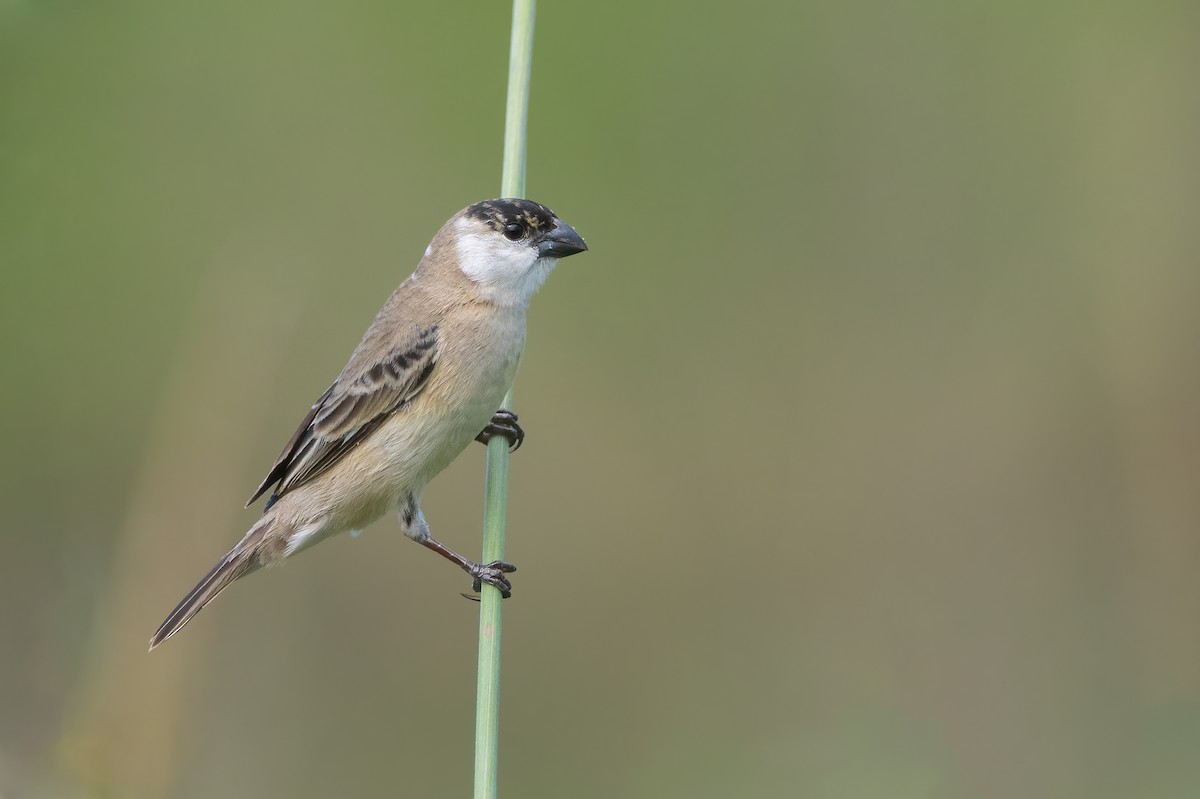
<point>516,116</point>
<point>512,184</point>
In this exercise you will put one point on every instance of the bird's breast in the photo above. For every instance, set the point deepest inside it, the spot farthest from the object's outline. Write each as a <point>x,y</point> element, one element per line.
<point>476,363</point>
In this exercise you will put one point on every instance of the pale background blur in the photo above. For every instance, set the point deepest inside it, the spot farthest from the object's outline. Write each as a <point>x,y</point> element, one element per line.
<point>863,452</point>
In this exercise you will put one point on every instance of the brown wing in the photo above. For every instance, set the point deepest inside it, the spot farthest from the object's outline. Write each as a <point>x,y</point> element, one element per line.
<point>349,411</point>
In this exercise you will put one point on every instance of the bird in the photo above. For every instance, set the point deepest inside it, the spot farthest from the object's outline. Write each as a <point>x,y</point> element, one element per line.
<point>427,379</point>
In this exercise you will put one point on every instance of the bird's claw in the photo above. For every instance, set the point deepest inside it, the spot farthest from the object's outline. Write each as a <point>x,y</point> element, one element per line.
<point>504,423</point>
<point>492,574</point>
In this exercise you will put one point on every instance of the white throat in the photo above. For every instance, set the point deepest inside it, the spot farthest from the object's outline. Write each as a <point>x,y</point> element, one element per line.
<point>506,272</point>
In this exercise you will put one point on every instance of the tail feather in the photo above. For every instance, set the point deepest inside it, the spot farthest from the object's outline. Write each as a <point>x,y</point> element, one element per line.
<point>237,563</point>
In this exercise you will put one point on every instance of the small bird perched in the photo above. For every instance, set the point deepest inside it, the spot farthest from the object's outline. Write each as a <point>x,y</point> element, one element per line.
<point>426,380</point>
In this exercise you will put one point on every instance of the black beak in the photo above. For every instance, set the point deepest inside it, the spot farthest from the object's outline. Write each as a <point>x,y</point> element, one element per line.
<point>560,241</point>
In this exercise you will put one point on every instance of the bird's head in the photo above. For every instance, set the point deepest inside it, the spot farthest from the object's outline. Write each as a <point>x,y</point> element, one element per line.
<point>508,247</point>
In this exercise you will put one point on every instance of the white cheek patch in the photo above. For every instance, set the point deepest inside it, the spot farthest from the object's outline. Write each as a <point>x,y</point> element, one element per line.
<point>500,267</point>
<point>491,259</point>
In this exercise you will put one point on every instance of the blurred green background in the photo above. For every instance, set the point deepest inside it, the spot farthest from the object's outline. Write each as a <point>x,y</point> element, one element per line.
<point>863,446</point>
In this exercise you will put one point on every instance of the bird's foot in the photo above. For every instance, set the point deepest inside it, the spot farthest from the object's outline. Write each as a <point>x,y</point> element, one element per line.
<point>492,574</point>
<point>504,423</point>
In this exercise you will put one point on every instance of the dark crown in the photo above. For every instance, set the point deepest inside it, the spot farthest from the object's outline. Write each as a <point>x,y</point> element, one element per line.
<point>499,213</point>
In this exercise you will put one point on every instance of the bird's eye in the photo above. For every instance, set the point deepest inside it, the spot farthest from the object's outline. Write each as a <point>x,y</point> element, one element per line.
<point>513,232</point>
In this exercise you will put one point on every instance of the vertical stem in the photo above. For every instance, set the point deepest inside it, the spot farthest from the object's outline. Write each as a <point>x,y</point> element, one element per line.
<point>512,184</point>
<point>516,117</point>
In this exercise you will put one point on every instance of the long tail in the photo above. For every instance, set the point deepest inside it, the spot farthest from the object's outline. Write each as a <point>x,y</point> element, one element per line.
<point>238,562</point>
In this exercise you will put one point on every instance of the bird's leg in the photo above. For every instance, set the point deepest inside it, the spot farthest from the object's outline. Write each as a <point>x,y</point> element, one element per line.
<point>504,423</point>
<point>490,573</point>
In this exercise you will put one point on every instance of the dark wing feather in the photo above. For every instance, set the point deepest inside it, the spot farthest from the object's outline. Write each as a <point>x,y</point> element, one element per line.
<point>350,410</point>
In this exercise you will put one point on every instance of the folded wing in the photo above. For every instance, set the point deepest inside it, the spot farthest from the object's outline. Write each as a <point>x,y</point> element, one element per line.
<point>350,410</point>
